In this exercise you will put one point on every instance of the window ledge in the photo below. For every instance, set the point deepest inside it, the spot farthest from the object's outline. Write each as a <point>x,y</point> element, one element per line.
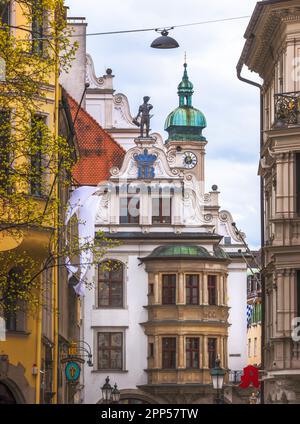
<point>105,308</point>
<point>109,371</point>
<point>17,333</point>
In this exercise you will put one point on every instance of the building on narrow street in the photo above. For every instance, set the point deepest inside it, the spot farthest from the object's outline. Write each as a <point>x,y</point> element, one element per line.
<point>175,295</point>
<point>272,50</point>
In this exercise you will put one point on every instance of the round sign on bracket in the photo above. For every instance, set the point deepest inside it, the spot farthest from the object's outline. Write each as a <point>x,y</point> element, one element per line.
<point>72,371</point>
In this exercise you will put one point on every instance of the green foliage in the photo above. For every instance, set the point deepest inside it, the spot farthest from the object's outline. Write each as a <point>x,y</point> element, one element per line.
<point>35,163</point>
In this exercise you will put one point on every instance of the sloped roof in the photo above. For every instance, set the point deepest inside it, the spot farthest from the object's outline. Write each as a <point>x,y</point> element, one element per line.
<point>98,151</point>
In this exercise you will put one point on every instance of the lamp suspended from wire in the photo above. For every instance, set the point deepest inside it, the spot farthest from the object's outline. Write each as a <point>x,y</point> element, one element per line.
<point>164,41</point>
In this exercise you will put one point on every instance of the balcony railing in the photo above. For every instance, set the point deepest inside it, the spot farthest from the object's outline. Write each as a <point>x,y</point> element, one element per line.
<point>287,109</point>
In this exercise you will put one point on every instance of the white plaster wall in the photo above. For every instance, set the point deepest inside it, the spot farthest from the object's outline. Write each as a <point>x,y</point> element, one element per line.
<point>237,301</point>
<point>74,80</point>
<point>136,288</point>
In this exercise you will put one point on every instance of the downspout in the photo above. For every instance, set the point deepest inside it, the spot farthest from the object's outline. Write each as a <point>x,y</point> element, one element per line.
<point>38,351</point>
<point>55,305</point>
<point>262,221</point>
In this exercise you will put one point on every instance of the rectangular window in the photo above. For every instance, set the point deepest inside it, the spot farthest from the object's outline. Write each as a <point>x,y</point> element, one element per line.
<point>5,12</point>
<point>110,351</point>
<point>151,350</point>
<point>249,348</point>
<point>129,210</point>
<point>169,353</point>
<point>4,149</point>
<point>36,158</point>
<point>192,352</point>
<point>192,289</point>
<point>15,316</point>
<point>110,285</point>
<point>169,289</point>
<point>298,184</point>
<point>38,23</point>
<point>212,352</point>
<point>212,289</point>
<point>161,210</point>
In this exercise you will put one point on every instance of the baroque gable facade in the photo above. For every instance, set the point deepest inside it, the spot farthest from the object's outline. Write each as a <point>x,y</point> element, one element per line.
<point>174,298</point>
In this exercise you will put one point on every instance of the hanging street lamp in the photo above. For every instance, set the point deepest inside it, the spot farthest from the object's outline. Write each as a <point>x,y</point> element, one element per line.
<point>164,41</point>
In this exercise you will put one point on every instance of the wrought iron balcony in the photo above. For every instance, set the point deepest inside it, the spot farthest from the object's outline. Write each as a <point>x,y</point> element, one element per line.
<point>287,109</point>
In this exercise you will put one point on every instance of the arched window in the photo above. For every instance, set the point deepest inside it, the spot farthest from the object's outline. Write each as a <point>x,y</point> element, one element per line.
<point>110,284</point>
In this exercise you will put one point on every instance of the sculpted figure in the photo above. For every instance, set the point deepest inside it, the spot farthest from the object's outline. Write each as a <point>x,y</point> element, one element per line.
<point>144,113</point>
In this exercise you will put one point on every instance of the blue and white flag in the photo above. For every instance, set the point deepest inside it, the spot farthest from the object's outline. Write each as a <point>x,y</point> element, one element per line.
<point>249,313</point>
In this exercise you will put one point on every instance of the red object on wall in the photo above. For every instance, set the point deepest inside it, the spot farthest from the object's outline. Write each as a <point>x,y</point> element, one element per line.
<point>250,377</point>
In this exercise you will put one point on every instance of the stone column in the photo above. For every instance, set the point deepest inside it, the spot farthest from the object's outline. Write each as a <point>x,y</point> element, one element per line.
<point>205,289</point>
<point>181,353</point>
<point>156,290</point>
<point>181,289</point>
<point>225,289</point>
<point>200,288</point>
<point>159,289</point>
<point>280,303</point>
<point>205,352</point>
<point>201,353</point>
<point>156,361</point>
<point>221,289</point>
<point>221,352</point>
<point>280,185</point>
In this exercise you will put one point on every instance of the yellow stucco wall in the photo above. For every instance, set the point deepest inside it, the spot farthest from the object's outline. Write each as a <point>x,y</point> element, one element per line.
<point>22,348</point>
<point>254,338</point>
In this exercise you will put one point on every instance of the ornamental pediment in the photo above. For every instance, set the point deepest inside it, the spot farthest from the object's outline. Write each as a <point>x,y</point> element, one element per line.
<point>146,163</point>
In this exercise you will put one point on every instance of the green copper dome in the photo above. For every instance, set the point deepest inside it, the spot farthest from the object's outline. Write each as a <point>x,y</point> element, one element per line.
<point>185,123</point>
<point>180,251</point>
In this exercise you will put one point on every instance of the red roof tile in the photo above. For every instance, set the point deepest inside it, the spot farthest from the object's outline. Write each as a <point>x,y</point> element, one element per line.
<point>98,151</point>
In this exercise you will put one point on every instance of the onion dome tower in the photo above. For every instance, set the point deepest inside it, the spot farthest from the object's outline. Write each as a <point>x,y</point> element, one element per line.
<point>185,123</point>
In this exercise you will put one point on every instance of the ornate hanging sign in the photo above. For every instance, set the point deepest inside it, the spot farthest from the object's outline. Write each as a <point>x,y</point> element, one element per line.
<point>72,371</point>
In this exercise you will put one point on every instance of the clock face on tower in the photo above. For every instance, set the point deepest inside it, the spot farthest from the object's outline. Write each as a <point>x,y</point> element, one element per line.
<point>189,160</point>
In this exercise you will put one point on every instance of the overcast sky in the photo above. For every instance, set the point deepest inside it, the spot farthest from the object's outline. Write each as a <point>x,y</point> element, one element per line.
<point>231,107</point>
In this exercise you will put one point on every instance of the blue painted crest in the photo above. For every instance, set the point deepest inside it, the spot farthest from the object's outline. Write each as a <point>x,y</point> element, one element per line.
<point>145,162</point>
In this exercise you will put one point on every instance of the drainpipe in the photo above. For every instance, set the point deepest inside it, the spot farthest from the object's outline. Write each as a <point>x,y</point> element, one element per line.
<point>262,220</point>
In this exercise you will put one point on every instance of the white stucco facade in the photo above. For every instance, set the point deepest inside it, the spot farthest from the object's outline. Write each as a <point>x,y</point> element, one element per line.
<point>196,221</point>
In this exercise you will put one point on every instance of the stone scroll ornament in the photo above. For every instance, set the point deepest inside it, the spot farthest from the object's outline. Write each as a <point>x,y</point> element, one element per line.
<point>144,115</point>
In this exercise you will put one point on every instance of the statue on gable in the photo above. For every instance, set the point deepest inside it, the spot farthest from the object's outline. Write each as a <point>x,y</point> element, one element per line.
<point>144,115</point>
